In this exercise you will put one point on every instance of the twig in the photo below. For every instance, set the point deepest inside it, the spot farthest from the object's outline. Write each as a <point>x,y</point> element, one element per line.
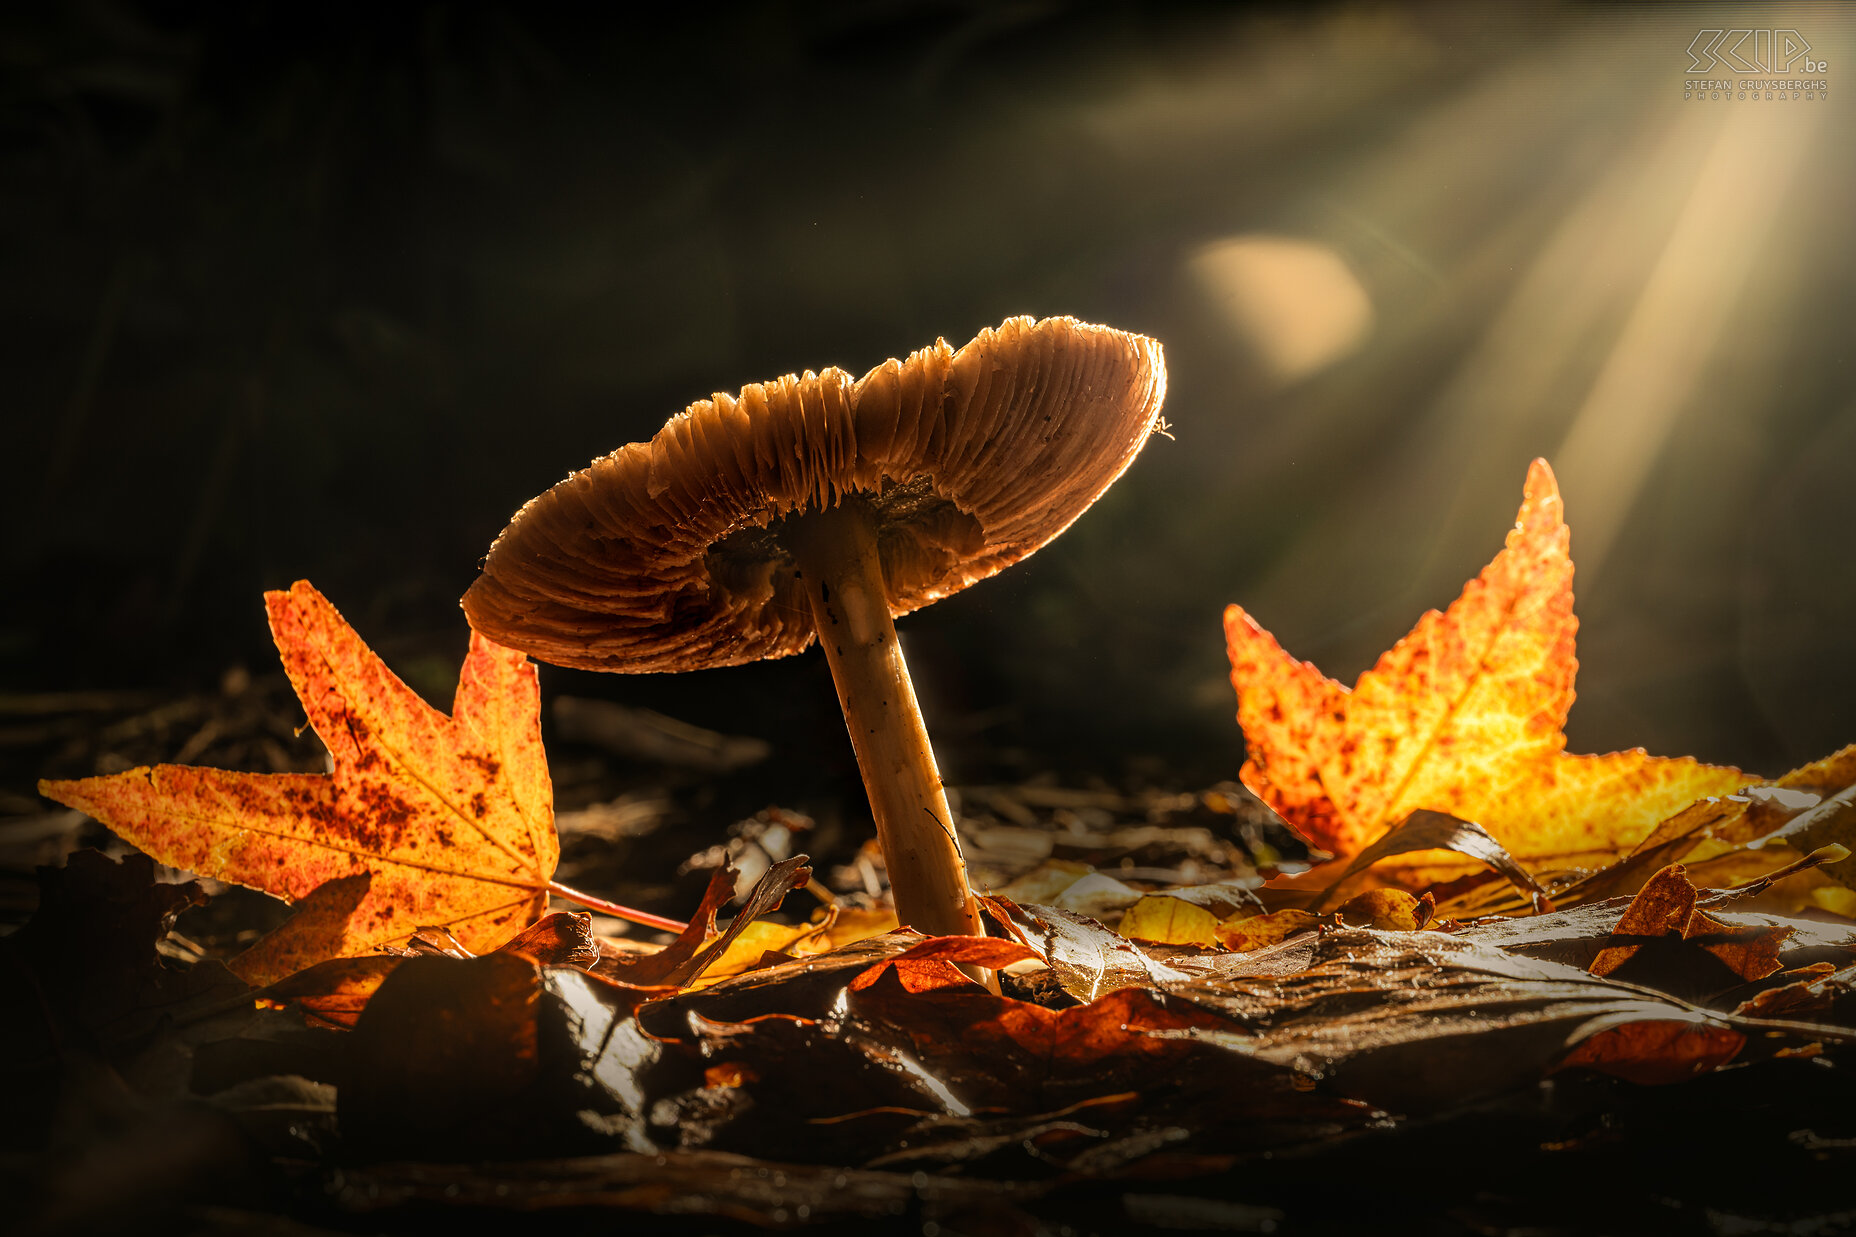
<point>615,910</point>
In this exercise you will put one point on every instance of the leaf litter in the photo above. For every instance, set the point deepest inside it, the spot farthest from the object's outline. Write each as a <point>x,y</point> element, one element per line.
<point>1197,1005</point>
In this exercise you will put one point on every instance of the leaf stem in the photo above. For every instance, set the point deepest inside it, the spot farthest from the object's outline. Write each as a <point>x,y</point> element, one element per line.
<point>614,909</point>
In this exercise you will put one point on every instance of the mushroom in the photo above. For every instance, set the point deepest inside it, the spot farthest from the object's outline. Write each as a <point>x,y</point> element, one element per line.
<point>826,506</point>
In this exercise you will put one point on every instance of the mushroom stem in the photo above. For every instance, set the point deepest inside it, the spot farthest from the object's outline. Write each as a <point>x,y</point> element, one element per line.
<point>836,552</point>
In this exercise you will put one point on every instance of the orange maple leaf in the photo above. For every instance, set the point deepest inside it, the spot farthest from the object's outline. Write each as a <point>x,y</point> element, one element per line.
<point>1464,715</point>
<point>449,819</point>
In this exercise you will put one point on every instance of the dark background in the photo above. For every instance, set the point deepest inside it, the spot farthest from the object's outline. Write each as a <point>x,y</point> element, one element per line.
<point>327,291</point>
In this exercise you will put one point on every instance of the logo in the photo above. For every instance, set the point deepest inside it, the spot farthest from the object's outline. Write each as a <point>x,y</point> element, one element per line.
<point>1752,51</point>
<point>1754,65</point>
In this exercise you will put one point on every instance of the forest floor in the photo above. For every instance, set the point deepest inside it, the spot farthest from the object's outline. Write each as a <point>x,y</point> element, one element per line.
<point>193,1114</point>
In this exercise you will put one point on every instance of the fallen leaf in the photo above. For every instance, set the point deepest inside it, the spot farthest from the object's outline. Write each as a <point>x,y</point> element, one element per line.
<point>1665,910</point>
<point>1464,715</point>
<point>1662,907</point>
<point>1421,1022</point>
<point>476,1055</point>
<point>1243,933</point>
<point>1669,842</point>
<point>1832,822</point>
<point>1575,937</point>
<point>1389,910</point>
<point>451,816</point>
<point>336,992</point>
<point>839,926</point>
<point>1044,883</point>
<point>564,938</point>
<point>1425,830</point>
<point>1222,898</point>
<point>698,946</point>
<point>1653,1051</point>
<point>884,1055</point>
<point>1097,895</point>
<point>1760,820</point>
<point>761,938</point>
<point>88,954</point>
<point>1087,959</point>
<point>931,964</point>
<point>1169,921</point>
<point>1812,989</point>
<point>315,933</point>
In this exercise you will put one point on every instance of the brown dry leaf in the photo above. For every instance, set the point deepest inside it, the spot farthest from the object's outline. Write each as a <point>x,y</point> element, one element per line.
<point>932,964</point>
<point>1425,830</point>
<point>452,1048</point>
<point>1464,715</point>
<point>1662,907</point>
<point>1665,908</point>
<point>451,816</point>
<point>334,993</point>
<point>884,1054</point>
<point>880,1054</point>
<point>995,1051</point>
<point>564,938</point>
<point>1812,989</point>
<point>1389,910</point>
<point>1654,1051</point>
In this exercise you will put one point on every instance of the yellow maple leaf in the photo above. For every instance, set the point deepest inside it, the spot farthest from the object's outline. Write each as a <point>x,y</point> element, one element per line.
<point>1464,715</point>
<point>450,819</point>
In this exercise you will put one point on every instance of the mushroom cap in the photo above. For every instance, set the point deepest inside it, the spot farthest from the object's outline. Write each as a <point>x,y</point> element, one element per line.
<point>666,555</point>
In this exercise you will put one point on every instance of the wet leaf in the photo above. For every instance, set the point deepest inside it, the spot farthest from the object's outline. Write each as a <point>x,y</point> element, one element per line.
<point>989,1051</point>
<point>1464,715</point>
<point>1086,958</point>
<point>1418,1022</point>
<point>1575,937</point>
<point>450,816</point>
